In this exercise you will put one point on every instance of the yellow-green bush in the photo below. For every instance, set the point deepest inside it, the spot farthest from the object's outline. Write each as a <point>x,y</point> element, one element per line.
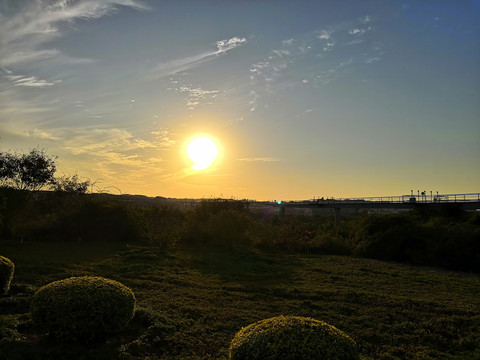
<point>6,274</point>
<point>292,338</point>
<point>82,308</point>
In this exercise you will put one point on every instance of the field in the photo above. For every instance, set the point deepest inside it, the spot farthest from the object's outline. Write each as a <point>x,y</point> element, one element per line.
<point>193,299</point>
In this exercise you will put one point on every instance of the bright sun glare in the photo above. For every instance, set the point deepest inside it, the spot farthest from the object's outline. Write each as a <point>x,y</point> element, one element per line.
<point>202,152</point>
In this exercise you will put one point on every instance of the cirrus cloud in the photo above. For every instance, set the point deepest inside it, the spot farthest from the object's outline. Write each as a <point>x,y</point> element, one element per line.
<point>178,65</point>
<point>26,27</point>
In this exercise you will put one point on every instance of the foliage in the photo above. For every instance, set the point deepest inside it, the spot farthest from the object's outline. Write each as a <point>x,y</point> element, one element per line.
<point>390,237</point>
<point>162,225</point>
<point>331,241</point>
<point>99,220</point>
<point>293,233</point>
<point>228,228</point>
<point>208,207</point>
<point>82,308</point>
<point>219,222</point>
<point>158,337</point>
<point>442,239</point>
<point>13,210</point>
<point>195,298</point>
<point>7,269</point>
<point>86,219</point>
<point>432,239</point>
<point>70,185</point>
<point>18,299</point>
<point>10,327</point>
<point>292,338</point>
<point>453,243</point>
<point>31,171</point>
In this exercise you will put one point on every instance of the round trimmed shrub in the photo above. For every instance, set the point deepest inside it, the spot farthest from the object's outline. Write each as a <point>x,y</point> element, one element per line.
<point>82,308</point>
<point>292,338</point>
<point>6,274</point>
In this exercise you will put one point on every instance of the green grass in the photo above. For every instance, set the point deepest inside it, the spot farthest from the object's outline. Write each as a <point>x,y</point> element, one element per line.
<point>193,300</point>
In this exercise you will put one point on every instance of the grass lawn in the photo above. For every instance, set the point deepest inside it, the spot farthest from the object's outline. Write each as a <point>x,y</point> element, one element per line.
<point>192,300</point>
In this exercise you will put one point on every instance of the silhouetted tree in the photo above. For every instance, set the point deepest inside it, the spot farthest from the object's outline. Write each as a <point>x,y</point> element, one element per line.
<point>31,171</point>
<point>71,185</point>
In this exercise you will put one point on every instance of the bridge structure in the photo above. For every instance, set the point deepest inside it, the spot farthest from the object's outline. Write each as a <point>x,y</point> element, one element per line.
<point>467,201</point>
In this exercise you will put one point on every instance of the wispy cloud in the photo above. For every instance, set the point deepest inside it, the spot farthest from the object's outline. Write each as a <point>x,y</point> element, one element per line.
<point>226,45</point>
<point>253,100</point>
<point>26,27</point>
<point>34,133</point>
<point>30,81</point>
<point>179,65</point>
<point>324,34</point>
<point>322,43</point>
<point>113,154</point>
<point>118,156</point>
<point>195,94</point>
<point>359,31</point>
<point>163,138</point>
<point>372,59</point>
<point>102,142</point>
<point>308,111</point>
<point>25,56</point>
<point>314,59</point>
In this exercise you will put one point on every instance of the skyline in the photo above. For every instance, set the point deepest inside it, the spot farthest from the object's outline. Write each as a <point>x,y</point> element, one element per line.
<point>335,98</point>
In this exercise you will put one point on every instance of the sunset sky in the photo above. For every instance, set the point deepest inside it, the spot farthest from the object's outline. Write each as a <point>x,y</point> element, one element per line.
<point>304,98</point>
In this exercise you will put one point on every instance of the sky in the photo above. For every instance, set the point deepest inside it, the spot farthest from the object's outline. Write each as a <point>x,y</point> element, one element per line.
<point>332,98</point>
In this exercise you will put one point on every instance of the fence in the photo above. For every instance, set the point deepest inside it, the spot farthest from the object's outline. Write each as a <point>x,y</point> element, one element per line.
<point>402,199</point>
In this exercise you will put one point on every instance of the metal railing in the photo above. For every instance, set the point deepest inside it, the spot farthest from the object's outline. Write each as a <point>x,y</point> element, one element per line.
<point>401,199</point>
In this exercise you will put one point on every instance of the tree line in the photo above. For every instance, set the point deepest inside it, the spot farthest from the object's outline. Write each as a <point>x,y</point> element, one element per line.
<point>34,171</point>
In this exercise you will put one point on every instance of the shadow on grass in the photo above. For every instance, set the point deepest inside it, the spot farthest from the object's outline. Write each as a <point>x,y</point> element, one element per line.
<point>20,339</point>
<point>241,266</point>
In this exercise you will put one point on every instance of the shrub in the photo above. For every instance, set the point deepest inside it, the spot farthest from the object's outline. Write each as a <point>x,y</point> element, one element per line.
<point>393,237</point>
<point>331,243</point>
<point>293,233</point>
<point>228,228</point>
<point>82,308</point>
<point>99,220</point>
<point>162,225</point>
<point>208,223</point>
<point>6,274</point>
<point>208,207</point>
<point>292,338</point>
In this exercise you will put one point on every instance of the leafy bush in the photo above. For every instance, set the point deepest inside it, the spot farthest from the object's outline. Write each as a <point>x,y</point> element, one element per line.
<point>393,238</point>
<point>209,207</point>
<point>293,233</point>
<point>457,247</point>
<point>418,238</point>
<point>13,204</point>
<point>219,222</point>
<point>162,225</point>
<point>158,338</point>
<point>94,220</point>
<point>292,338</point>
<point>55,216</point>
<point>6,274</point>
<point>228,228</point>
<point>331,243</point>
<point>82,308</point>
<point>70,185</point>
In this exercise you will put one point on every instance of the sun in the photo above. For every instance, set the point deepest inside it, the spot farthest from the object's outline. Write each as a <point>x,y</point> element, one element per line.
<point>202,152</point>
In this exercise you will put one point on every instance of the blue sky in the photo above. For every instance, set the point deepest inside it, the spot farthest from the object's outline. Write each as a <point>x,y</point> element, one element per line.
<point>305,98</point>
